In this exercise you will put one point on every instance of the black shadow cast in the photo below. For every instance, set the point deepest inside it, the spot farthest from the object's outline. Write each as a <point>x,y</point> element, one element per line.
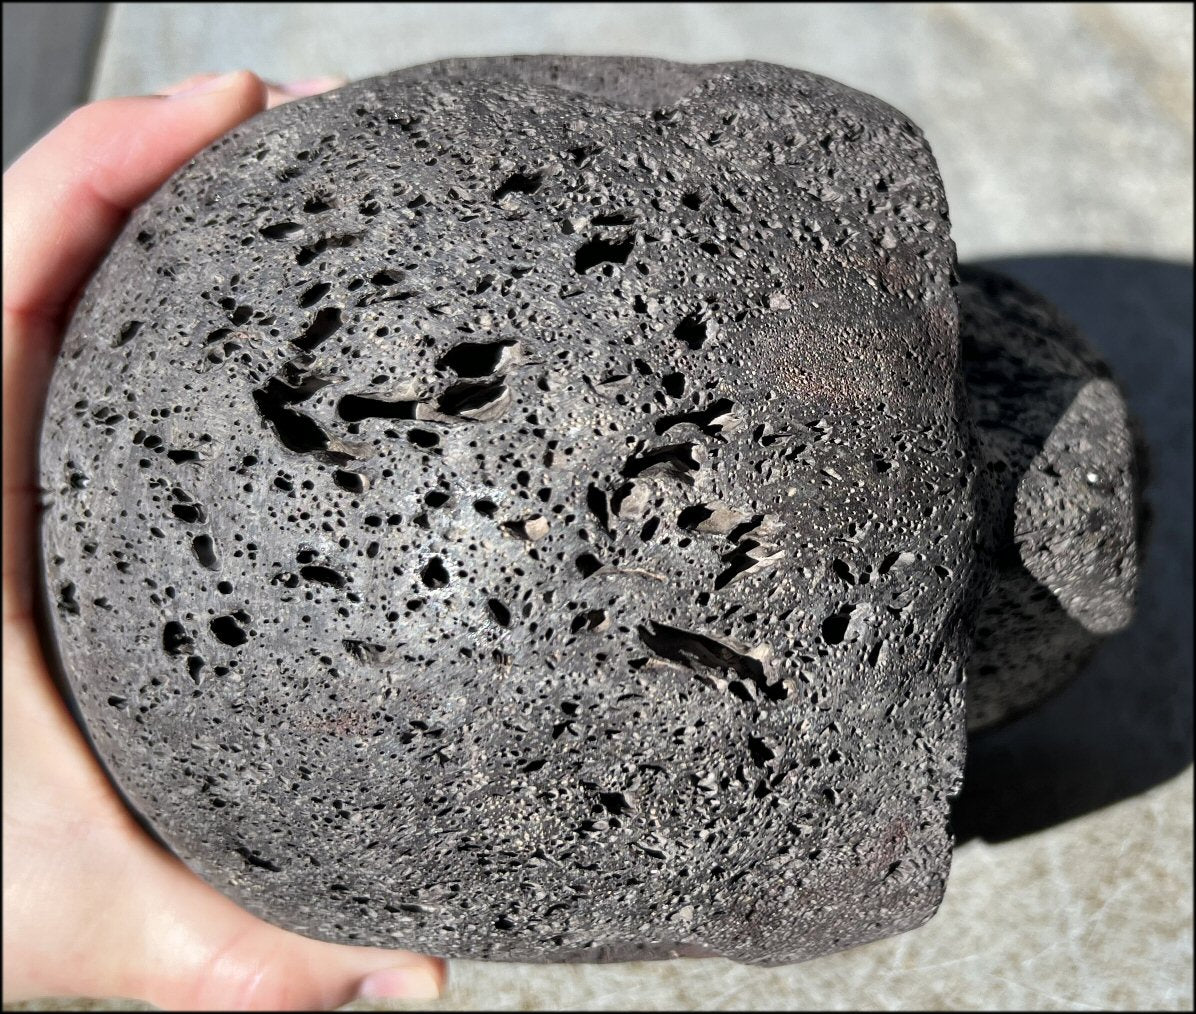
<point>1125,724</point>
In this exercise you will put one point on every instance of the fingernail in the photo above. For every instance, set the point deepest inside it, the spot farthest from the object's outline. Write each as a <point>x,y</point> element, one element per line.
<point>206,87</point>
<point>313,85</point>
<point>399,984</point>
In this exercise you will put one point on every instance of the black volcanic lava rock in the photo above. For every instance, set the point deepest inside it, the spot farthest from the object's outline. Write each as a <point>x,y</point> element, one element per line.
<point>530,509</point>
<point>1060,489</point>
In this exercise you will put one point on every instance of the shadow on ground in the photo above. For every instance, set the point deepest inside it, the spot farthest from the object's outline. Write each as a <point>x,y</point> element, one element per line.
<point>1125,724</point>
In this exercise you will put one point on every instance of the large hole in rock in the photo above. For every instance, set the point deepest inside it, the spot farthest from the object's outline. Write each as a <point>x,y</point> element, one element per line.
<point>603,251</point>
<point>476,359</point>
<point>434,574</point>
<point>519,183</point>
<point>296,431</point>
<point>326,323</point>
<point>356,407</point>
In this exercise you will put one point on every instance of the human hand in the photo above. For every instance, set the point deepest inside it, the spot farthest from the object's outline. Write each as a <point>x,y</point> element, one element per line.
<point>93,906</point>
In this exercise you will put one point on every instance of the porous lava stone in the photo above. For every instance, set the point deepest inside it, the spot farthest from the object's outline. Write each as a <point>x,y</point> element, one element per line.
<point>1061,474</point>
<point>530,509</point>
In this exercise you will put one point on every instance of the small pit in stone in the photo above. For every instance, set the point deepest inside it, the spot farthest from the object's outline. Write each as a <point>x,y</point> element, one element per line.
<point>434,573</point>
<point>228,629</point>
<point>205,552</point>
<point>325,324</point>
<point>603,251</point>
<point>475,359</point>
<point>520,183</point>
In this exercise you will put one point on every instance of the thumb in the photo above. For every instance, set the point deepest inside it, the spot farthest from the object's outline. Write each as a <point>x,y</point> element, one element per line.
<point>68,195</point>
<point>65,199</point>
<point>127,919</point>
<point>94,907</point>
<point>184,946</point>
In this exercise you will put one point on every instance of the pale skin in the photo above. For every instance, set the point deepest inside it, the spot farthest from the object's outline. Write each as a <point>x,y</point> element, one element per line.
<point>92,905</point>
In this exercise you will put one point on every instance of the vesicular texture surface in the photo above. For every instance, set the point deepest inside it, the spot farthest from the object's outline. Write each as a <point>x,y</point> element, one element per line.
<point>1059,491</point>
<point>518,509</point>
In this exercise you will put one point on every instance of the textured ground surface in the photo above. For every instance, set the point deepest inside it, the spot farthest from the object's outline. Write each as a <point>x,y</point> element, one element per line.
<point>1057,130</point>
